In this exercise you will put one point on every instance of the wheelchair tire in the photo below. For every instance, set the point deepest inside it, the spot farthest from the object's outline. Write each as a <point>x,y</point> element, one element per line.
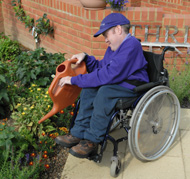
<point>154,124</point>
<point>115,167</point>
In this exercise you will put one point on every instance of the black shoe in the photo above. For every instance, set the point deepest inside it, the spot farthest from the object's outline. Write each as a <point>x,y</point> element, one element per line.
<point>84,149</point>
<point>67,140</point>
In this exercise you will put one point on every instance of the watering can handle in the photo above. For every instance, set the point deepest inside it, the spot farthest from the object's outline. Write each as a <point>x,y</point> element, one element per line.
<point>59,75</point>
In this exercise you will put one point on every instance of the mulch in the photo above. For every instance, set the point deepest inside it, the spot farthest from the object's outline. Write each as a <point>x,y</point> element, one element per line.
<point>56,163</point>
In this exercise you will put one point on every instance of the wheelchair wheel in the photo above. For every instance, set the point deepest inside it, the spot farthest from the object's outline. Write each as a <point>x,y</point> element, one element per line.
<point>154,124</point>
<point>115,166</point>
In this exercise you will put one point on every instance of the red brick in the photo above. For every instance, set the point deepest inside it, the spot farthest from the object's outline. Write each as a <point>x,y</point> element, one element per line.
<point>137,15</point>
<point>130,15</point>
<point>101,15</point>
<point>144,16</point>
<point>74,33</point>
<point>93,15</point>
<point>98,52</point>
<point>95,45</point>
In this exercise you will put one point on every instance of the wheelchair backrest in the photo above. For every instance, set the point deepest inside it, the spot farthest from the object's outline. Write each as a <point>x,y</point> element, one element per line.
<point>155,67</point>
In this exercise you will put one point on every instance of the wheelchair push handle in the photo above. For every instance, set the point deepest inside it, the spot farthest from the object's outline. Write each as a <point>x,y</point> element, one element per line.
<point>168,48</point>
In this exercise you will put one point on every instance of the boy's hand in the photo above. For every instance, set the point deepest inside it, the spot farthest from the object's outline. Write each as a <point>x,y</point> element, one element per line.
<point>79,56</point>
<point>65,80</point>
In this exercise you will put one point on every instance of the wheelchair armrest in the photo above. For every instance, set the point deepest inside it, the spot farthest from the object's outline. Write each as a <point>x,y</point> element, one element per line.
<point>146,86</point>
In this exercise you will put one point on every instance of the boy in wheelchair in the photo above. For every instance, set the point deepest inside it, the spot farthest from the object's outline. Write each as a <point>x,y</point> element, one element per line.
<point>122,69</point>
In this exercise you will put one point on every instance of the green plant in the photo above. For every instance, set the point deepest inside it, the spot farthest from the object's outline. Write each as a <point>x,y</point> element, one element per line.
<point>37,66</point>
<point>4,98</point>
<point>43,26</point>
<point>9,138</point>
<point>179,81</point>
<point>29,111</point>
<point>9,49</point>
<point>20,13</point>
<point>13,166</point>
<point>117,4</point>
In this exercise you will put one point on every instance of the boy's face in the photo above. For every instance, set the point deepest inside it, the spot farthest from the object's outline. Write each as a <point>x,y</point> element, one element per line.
<point>113,38</point>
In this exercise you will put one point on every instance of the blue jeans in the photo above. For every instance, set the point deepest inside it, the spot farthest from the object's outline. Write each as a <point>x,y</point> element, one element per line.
<point>96,108</point>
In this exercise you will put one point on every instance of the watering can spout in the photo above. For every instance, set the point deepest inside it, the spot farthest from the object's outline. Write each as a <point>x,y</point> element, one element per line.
<point>66,95</point>
<point>49,114</point>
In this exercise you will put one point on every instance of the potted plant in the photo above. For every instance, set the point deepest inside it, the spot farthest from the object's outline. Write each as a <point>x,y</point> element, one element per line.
<point>93,4</point>
<point>117,5</point>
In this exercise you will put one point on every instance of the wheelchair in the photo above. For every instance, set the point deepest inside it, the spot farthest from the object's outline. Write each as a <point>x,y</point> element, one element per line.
<point>150,120</point>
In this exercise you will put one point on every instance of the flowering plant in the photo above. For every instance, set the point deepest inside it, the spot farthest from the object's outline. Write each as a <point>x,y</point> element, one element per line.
<point>117,4</point>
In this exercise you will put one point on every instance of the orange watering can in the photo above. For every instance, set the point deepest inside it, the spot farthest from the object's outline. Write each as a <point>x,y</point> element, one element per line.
<point>66,95</point>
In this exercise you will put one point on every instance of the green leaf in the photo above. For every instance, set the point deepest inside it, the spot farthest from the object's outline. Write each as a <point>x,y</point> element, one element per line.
<point>8,144</point>
<point>30,124</point>
<point>2,78</point>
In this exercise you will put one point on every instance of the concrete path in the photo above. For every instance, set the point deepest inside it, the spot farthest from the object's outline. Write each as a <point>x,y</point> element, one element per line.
<point>175,164</point>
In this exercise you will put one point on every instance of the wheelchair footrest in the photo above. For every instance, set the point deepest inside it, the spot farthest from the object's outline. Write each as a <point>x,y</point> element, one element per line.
<point>95,157</point>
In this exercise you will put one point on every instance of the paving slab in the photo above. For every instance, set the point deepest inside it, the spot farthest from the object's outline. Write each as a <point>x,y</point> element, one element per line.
<point>175,164</point>
<point>163,168</point>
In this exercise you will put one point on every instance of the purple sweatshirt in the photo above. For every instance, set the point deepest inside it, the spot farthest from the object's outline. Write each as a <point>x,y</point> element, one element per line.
<point>126,63</point>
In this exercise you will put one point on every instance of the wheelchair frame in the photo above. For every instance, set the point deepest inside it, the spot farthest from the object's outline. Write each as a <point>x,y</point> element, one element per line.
<point>134,116</point>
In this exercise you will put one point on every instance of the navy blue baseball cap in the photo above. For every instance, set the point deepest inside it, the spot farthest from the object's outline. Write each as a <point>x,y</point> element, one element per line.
<point>111,20</point>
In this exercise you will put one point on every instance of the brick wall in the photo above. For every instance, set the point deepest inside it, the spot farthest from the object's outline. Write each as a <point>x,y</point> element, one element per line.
<point>74,26</point>
<point>1,20</point>
<point>169,6</point>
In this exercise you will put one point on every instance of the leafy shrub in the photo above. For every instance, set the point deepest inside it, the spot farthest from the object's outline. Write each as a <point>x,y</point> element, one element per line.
<point>4,99</point>
<point>179,82</point>
<point>9,49</point>
<point>12,148</point>
<point>30,110</point>
<point>37,66</point>
<point>9,138</point>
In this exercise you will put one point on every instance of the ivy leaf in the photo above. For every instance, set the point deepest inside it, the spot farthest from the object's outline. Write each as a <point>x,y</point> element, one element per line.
<point>2,78</point>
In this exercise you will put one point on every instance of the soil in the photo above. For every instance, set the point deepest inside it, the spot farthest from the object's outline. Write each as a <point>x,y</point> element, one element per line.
<point>185,103</point>
<point>57,163</point>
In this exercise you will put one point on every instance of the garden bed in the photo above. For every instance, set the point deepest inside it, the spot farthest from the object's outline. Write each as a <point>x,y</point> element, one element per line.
<point>185,103</point>
<point>26,147</point>
<point>57,163</point>
<point>24,82</point>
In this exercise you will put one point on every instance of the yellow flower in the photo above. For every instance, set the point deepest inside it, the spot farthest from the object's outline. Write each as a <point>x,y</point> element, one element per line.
<point>15,85</point>
<point>45,96</point>
<point>32,107</point>
<point>31,90</point>
<point>25,109</point>
<point>49,106</point>
<point>64,129</point>
<point>23,113</point>
<point>39,89</point>
<point>47,92</point>
<point>18,105</point>
<point>33,85</point>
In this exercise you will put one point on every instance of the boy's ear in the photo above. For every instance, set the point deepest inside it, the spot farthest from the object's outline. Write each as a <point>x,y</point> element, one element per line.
<point>119,29</point>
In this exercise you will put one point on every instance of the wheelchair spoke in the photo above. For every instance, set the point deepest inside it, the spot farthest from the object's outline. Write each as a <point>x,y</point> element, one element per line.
<point>155,125</point>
